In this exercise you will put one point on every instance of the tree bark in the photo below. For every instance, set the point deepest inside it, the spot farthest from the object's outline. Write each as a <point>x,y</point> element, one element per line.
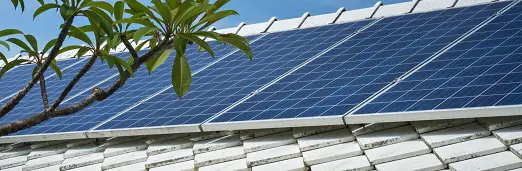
<point>73,82</point>
<point>52,55</point>
<point>129,47</point>
<point>97,94</point>
<point>43,91</point>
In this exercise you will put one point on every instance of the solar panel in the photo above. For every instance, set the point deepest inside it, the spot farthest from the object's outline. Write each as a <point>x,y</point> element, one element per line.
<point>233,78</point>
<point>135,89</point>
<point>350,73</point>
<point>484,70</point>
<point>17,78</point>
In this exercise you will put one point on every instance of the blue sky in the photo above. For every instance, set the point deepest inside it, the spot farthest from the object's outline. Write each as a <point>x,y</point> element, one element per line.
<point>45,27</point>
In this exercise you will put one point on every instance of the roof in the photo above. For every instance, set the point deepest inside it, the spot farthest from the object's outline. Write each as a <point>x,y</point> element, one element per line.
<point>463,144</point>
<point>469,143</point>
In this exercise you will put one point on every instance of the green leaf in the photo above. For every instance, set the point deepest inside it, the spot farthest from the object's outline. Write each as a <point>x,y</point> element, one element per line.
<point>49,45</point>
<point>56,69</point>
<point>181,76</point>
<point>140,45</point>
<point>100,4</point>
<point>3,58</point>
<point>139,7</point>
<point>82,51</point>
<point>198,41</point>
<point>105,25</point>
<point>44,8</point>
<point>80,35</point>
<point>119,7</point>
<point>5,44</point>
<point>213,18</point>
<point>136,21</point>
<point>22,45</point>
<point>69,48</point>
<point>41,2</point>
<point>156,61</point>
<point>240,44</point>
<point>8,32</point>
<point>163,10</point>
<point>32,42</point>
<point>123,63</point>
<point>11,65</point>
<point>173,3</point>
<point>143,31</point>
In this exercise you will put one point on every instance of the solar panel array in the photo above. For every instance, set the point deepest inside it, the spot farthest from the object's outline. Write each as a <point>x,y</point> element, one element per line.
<point>308,73</point>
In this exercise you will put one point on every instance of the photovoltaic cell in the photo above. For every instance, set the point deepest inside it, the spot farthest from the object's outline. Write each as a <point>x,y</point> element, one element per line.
<point>135,89</point>
<point>350,73</point>
<point>484,69</point>
<point>233,78</point>
<point>15,79</point>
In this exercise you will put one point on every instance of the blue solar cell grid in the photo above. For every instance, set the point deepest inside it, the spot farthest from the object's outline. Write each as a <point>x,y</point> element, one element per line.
<point>136,89</point>
<point>345,76</point>
<point>485,69</point>
<point>17,78</point>
<point>233,78</point>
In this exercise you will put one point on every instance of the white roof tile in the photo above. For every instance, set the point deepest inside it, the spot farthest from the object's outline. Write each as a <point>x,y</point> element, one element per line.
<point>216,144</point>
<point>162,138</point>
<point>169,158</point>
<point>325,139</point>
<point>82,150</point>
<point>455,135</point>
<point>170,145</point>
<point>15,152</point>
<point>50,168</point>
<point>375,127</point>
<point>127,147</point>
<point>354,15</point>
<point>461,3</point>
<point>387,137</point>
<point>469,149</point>
<point>45,144</point>
<point>431,5</point>
<point>249,134</point>
<point>428,126</point>
<point>183,166</point>
<point>82,161</point>
<point>13,162</point>
<point>219,156</point>
<point>283,25</point>
<point>47,161</point>
<point>14,168</point>
<point>517,149</point>
<point>295,164</point>
<point>318,20</point>
<point>235,165</point>
<point>331,153</point>
<point>96,167</point>
<point>397,151</point>
<point>424,162</point>
<point>509,136</point>
<point>210,135</point>
<point>273,155</point>
<point>355,163</point>
<point>132,167</point>
<point>494,123</point>
<point>307,131</point>
<point>124,159</point>
<point>270,141</point>
<point>77,143</point>
<point>499,161</point>
<point>47,151</point>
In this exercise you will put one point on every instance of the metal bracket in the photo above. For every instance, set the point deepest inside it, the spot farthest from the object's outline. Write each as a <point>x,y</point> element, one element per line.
<point>415,3</point>
<point>454,3</point>
<point>239,27</point>
<point>270,22</point>
<point>337,15</point>
<point>303,19</point>
<point>375,8</point>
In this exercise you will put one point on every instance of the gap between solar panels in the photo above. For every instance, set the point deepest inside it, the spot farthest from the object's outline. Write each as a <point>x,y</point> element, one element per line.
<point>206,126</point>
<point>47,77</point>
<point>349,118</point>
<point>169,87</point>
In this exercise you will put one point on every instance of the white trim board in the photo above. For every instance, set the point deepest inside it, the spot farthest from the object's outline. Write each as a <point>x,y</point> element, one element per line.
<point>478,112</point>
<point>274,123</point>
<point>143,131</point>
<point>43,137</point>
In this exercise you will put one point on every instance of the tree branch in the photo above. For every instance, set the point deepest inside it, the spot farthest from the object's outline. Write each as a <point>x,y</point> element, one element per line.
<point>97,94</point>
<point>73,82</point>
<point>43,91</point>
<point>128,45</point>
<point>54,52</point>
